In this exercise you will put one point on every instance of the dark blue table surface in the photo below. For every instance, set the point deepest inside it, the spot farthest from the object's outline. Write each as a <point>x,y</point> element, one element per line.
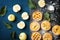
<point>4,32</point>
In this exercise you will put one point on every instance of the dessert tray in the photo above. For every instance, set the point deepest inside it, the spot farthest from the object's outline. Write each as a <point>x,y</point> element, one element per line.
<point>29,20</point>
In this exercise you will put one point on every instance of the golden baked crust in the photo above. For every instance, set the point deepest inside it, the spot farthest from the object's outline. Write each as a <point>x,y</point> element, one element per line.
<point>34,26</point>
<point>47,36</point>
<point>56,30</point>
<point>45,25</point>
<point>36,36</point>
<point>37,15</point>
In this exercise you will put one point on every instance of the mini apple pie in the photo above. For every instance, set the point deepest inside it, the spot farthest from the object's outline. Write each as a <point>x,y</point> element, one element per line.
<point>45,25</point>
<point>37,15</point>
<point>36,36</point>
<point>47,36</point>
<point>56,30</point>
<point>34,26</point>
